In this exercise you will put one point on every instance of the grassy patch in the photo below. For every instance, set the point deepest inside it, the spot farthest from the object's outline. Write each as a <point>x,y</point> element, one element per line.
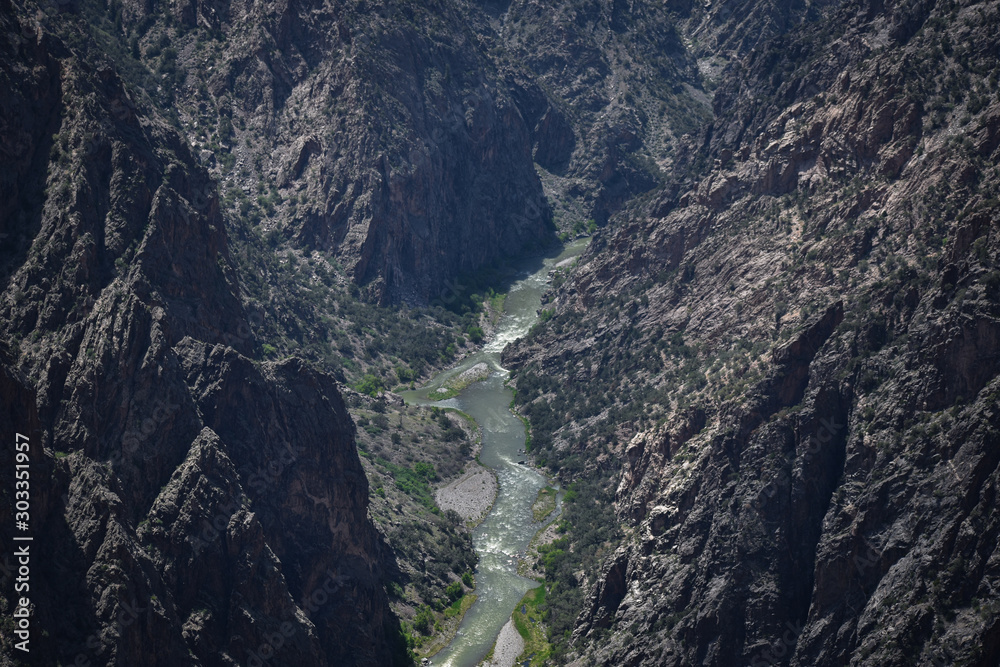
<point>529,620</point>
<point>454,385</point>
<point>545,504</point>
<point>415,481</point>
<point>449,392</point>
<point>445,627</point>
<point>464,415</point>
<point>459,606</point>
<point>524,420</point>
<point>494,308</point>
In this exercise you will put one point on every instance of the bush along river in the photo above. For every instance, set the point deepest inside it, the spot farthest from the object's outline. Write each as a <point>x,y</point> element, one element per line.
<point>505,533</point>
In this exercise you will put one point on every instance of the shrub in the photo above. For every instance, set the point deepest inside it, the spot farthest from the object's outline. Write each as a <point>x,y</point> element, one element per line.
<point>413,481</point>
<point>423,622</point>
<point>454,590</point>
<point>370,385</point>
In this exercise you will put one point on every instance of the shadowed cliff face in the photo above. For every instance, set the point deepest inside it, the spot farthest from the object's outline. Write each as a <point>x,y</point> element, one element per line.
<point>793,352</point>
<point>635,79</point>
<point>389,132</point>
<point>403,140</point>
<point>189,506</point>
<point>780,361</point>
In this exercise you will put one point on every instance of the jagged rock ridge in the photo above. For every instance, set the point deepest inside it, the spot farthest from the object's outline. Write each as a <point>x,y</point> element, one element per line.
<point>190,506</point>
<point>830,501</point>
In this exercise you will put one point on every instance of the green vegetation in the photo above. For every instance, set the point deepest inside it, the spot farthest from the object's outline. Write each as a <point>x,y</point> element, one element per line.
<point>581,227</point>
<point>423,621</point>
<point>454,385</point>
<point>529,617</point>
<point>444,393</point>
<point>589,531</point>
<point>370,385</point>
<point>412,540</point>
<point>415,481</point>
<point>450,432</point>
<point>301,305</point>
<point>553,553</point>
<point>454,591</point>
<point>461,605</point>
<point>436,631</point>
<point>545,503</point>
<point>475,334</point>
<point>494,306</point>
<point>401,486</point>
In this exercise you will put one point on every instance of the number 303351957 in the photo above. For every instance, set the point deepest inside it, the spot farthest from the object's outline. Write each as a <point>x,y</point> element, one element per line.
<point>22,474</point>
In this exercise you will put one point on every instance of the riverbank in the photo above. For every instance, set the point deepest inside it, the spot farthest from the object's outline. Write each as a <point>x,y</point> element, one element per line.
<point>509,645</point>
<point>454,386</point>
<point>506,530</point>
<point>471,495</point>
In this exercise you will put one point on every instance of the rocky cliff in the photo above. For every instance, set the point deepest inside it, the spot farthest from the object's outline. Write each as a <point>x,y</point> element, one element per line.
<point>770,385</point>
<point>189,505</point>
<point>633,81</point>
<point>792,349</point>
<point>385,136</point>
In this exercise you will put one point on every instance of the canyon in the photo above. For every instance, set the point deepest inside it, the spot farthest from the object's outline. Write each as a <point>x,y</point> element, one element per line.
<point>232,234</point>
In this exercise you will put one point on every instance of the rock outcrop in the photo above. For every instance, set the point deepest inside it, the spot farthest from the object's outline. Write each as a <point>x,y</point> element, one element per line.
<point>635,80</point>
<point>189,506</point>
<point>792,350</point>
<point>383,136</point>
<point>773,376</point>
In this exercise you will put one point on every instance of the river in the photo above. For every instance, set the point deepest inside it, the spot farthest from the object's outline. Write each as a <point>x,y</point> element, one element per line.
<point>507,530</point>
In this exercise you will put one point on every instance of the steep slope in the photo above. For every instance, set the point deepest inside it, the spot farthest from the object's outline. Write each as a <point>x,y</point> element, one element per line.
<point>627,83</point>
<point>189,505</point>
<point>382,135</point>
<point>633,81</point>
<point>776,369</point>
<point>794,353</point>
<point>402,141</point>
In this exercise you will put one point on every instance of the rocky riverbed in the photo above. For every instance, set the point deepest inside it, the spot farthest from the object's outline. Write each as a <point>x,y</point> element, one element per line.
<point>471,495</point>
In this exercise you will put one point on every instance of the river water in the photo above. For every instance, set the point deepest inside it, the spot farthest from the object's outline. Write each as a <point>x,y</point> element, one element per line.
<point>508,528</point>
